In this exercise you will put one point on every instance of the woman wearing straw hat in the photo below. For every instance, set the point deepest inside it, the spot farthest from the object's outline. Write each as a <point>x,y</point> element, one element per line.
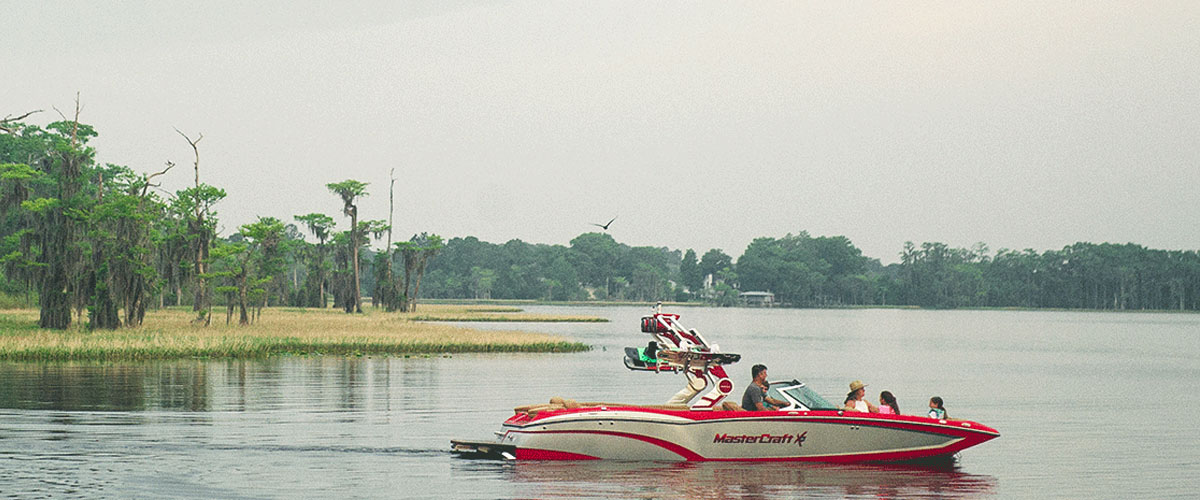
<point>855,401</point>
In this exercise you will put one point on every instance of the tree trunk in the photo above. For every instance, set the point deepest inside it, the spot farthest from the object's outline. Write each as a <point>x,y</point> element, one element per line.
<point>134,302</point>
<point>412,301</point>
<point>404,298</point>
<point>243,318</point>
<point>55,302</point>
<point>355,294</point>
<point>200,302</point>
<point>54,295</point>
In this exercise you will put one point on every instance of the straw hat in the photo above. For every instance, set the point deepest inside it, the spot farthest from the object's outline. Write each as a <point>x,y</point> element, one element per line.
<point>856,385</point>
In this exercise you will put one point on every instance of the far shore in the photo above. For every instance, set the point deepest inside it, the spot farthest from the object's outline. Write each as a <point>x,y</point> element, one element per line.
<point>580,303</point>
<point>169,334</point>
<point>518,302</point>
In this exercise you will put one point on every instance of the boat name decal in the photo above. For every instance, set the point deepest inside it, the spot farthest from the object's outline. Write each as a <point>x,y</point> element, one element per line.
<point>761,438</point>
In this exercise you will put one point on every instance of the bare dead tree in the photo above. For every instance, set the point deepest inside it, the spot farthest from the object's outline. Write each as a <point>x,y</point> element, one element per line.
<point>391,209</point>
<point>146,181</point>
<point>385,287</point>
<point>200,231</point>
<point>6,123</point>
<point>195,150</point>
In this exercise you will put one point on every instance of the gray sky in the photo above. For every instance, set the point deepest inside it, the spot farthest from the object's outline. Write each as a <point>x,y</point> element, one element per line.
<point>699,124</point>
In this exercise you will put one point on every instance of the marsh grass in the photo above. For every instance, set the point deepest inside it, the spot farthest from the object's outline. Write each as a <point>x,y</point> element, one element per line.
<point>587,303</point>
<point>491,314</point>
<point>468,309</point>
<point>498,318</point>
<point>169,334</point>
<point>531,318</point>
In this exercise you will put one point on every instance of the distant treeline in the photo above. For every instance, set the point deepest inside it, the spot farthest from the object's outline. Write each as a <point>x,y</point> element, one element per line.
<point>77,238</point>
<point>805,271</point>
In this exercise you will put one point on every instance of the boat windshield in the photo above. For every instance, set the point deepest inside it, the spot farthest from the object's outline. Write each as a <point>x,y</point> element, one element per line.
<point>802,394</point>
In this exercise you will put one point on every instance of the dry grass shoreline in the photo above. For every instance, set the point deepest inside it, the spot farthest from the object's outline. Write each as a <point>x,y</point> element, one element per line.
<point>168,334</point>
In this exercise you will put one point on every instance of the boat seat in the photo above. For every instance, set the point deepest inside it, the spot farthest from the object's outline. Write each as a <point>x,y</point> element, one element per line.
<point>558,403</point>
<point>532,410</point>
<point>731,406</point>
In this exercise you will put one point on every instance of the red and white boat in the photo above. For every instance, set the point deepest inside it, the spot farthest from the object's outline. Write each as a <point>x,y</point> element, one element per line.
<point>686,428</point>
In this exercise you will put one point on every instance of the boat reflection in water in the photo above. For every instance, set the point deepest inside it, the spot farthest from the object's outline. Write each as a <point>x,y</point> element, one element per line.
<point>733,480</point>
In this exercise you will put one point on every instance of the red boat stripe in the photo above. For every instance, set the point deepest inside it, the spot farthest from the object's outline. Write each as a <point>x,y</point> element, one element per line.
<point>686,454</point>
<point>672,447</point>
<point>536,454</point>
<point>919,424</point>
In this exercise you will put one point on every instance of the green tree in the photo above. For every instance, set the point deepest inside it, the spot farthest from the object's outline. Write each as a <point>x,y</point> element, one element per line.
<point>317,278</point>
<point>59,217</point>
<point>481,282</point>
<point>561,280</point>
<point>350,191</point>
<point>262,265</point>
<point>119,231</point>
<point>689,272</point>
<point>713,261</point>
<point>197,204</point>
<point>416,253</point>
<point>227,268</point>
<point>595,257</point>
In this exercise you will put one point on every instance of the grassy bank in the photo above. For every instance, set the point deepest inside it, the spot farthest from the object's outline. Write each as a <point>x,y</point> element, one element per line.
<point>497,318</point>
<point>492,314</point>
<point>584,303</point>
<point>168,334</point>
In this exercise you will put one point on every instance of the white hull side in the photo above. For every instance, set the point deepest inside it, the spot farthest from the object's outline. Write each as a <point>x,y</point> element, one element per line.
<point>635,435</point>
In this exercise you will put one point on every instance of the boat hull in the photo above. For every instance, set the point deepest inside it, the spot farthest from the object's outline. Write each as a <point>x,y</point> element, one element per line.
<point>821,436</point>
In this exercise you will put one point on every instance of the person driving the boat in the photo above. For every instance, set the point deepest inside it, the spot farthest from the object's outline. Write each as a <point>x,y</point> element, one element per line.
<point>855,399</point>
<point>755,398</point>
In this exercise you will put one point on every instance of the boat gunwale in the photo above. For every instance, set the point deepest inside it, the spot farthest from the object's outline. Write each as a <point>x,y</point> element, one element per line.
<point>708,416</point>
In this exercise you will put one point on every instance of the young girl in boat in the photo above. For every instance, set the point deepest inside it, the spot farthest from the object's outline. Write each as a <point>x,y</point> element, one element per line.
<point>936,409</point>
<point>888,404</point>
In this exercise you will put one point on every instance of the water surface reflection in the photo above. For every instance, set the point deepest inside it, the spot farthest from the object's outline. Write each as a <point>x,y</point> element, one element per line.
<point>736,480</point>
<point>1055,384</point>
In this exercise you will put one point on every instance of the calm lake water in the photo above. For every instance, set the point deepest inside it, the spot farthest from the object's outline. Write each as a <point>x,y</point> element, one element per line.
<point>1088,405</point>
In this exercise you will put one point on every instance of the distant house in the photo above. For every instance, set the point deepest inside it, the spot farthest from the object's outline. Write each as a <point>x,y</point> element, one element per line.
<point>757,299</point>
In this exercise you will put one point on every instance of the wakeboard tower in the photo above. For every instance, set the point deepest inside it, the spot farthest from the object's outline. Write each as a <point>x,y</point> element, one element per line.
<point>679,350</point>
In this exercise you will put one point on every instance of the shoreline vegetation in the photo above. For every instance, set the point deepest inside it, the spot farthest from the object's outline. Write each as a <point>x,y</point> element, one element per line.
<point>487,313</point>
<point>580,303</point>
<point>83,235</point>
<point>169,334</point>
<point>499,303</point>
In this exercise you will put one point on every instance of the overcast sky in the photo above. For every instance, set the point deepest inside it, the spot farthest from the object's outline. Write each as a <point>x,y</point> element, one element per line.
<point>698,124</point>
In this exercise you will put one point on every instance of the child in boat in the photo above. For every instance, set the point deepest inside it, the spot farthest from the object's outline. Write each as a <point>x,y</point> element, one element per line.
<point>936,409</point>
<point>888,404</point>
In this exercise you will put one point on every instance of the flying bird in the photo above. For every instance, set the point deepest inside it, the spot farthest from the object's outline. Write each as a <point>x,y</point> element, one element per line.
<point>604,226</point>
